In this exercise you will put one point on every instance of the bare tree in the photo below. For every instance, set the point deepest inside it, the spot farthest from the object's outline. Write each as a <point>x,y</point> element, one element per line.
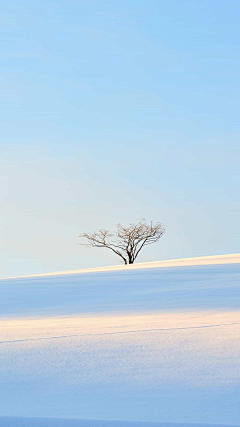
<point>126,242</point>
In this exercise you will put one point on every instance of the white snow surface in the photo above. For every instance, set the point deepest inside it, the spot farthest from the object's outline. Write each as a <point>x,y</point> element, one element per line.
<point>154,345</point>
<point>61,422</point>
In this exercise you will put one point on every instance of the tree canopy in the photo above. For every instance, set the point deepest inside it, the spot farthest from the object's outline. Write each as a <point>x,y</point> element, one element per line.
<point>126,242</point>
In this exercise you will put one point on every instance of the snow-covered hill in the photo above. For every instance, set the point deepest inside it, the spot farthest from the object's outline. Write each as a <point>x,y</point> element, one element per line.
<point>143,344</point>
<point>183,262</point>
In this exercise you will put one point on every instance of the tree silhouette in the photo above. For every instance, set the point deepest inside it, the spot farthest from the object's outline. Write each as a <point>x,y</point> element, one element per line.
<point>126,242</point>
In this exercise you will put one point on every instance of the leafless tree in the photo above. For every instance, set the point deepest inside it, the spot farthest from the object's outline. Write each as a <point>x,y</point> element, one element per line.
<point>126,242</point>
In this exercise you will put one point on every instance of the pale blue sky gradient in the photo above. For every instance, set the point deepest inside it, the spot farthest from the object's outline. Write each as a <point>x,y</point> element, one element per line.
<point>113,111</point>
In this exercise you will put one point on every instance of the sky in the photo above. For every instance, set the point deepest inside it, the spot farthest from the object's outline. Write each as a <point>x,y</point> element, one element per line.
<point>114,111</point>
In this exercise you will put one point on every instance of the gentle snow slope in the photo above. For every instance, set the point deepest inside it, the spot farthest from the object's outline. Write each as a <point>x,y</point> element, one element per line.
<point>182,262</point>
<point>141,345</point>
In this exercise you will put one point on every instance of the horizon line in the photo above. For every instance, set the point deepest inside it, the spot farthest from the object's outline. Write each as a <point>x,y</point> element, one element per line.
<point>178,262</point>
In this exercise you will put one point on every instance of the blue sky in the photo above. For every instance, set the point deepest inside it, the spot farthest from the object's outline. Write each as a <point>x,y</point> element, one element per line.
<point>113,111</point>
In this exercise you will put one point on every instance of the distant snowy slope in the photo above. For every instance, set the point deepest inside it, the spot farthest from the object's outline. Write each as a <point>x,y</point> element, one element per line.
<point>182,262</point>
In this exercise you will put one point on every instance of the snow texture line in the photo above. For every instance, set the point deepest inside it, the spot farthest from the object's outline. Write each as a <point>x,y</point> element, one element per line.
<point>120,332</point>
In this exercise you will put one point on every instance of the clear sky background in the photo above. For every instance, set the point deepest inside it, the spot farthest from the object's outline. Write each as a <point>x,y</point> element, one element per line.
<point>112,111</point>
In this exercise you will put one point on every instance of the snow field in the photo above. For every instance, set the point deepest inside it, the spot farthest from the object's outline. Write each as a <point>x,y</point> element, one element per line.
<point>156,345</point>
